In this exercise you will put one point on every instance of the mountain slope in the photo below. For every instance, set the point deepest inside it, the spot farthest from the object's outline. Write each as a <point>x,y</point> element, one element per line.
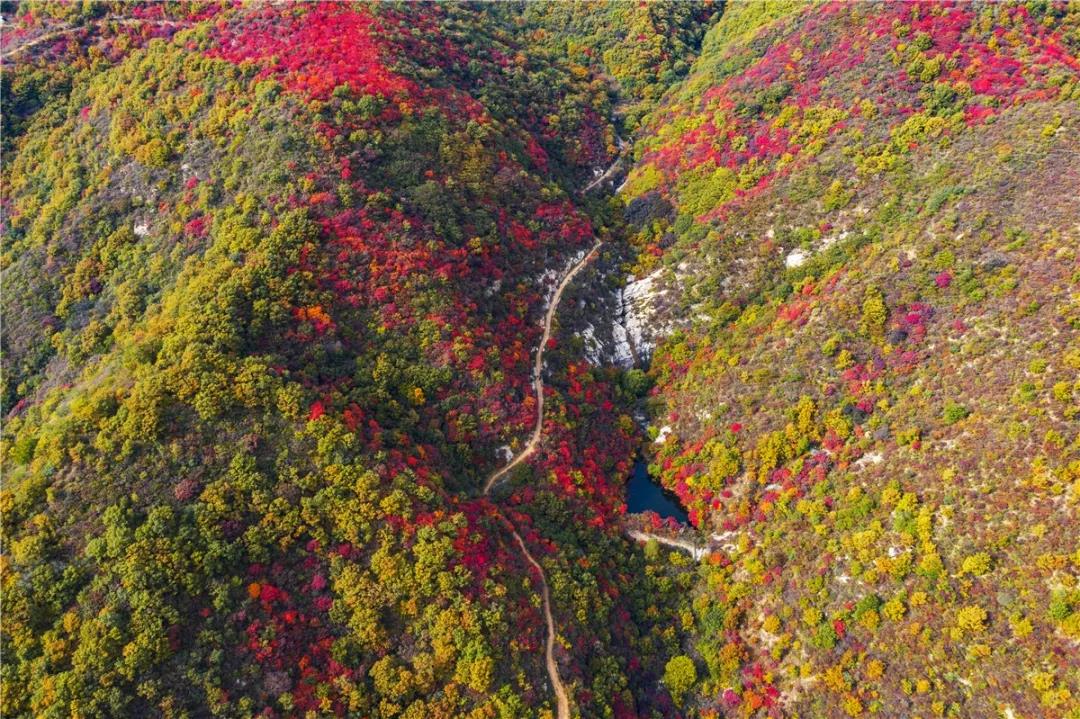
<point>865,217</point>
<point>273,280</point>
<point>282,282</point>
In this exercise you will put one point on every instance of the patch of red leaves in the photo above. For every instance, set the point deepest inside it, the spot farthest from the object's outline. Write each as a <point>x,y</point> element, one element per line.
<point>314,51</point>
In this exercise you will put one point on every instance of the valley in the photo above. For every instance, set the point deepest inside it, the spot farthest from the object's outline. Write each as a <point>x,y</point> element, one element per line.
<point>540,360</point>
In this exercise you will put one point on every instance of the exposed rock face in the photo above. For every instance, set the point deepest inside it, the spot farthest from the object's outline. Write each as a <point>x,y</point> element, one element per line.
<point>637,325</point>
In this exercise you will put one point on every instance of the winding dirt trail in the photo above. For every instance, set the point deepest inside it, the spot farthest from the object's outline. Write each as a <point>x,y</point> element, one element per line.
<point>562,700</point>
<point>623,146</point>
<point>697,552</point>
<point>606,175</point>
<point>538,366</point>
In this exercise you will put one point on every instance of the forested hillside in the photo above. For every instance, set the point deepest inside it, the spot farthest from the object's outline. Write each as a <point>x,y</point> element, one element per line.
<point>868,218</point>
<point>644,47</point>
<point>276,277</point>
<point>272,280</point>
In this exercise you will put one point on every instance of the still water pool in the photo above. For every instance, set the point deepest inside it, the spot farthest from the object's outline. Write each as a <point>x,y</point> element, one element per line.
<point>644,494</point>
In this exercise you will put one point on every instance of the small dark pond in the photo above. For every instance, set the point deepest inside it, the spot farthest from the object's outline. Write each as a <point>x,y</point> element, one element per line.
<point>643,494</point>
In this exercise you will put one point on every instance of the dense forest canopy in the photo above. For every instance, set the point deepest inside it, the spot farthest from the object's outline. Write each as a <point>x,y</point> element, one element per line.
<point>332,332</point>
